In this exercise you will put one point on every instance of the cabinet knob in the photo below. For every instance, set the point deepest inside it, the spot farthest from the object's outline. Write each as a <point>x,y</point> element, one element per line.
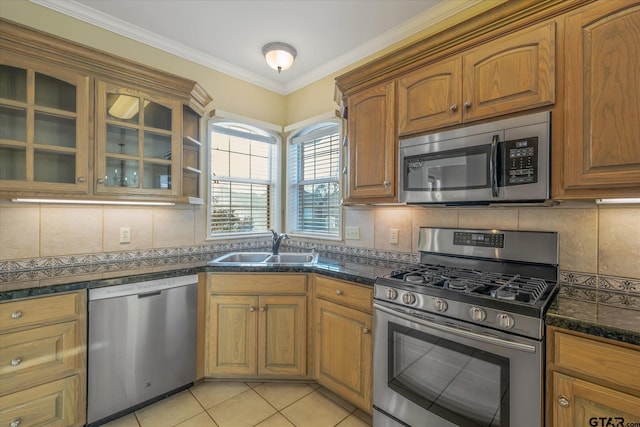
<point>81,179</point>
<point>252,309</point>
<point>563,401</point>
<point>386,184</point>
<point>100,180</point>
<point>16,315</point>
<point>366,330</point>
<point>16,422</point>
<point>262,308</point>
<point>339,292</point>
<point>454,108</point>
<point>467,105</point>
<point>16,361</point>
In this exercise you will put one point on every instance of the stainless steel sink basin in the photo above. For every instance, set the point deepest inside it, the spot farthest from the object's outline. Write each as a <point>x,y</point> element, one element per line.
<point>266,258</point>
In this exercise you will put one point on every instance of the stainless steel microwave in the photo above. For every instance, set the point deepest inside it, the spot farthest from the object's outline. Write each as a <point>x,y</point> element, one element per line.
<point>498,162</point>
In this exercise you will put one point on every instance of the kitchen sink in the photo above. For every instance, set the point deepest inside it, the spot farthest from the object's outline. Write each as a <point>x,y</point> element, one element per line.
<point>266,258</point>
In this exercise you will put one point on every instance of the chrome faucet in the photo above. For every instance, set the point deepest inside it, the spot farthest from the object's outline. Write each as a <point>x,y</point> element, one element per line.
<point>277,239</point>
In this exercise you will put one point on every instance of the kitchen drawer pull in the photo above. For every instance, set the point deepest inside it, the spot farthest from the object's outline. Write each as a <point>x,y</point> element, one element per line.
<point>81,179</point>
<point>16,361</point>
<point>100,180</point>
<point>366,330</point>
<point>252,309</point>
<point>467,105</point>
<point>563,401</point>
<point>16,315</point>
<point>386,184</point>
<point>15,423</point>
<point>339,292</point>
<point>454,108</point>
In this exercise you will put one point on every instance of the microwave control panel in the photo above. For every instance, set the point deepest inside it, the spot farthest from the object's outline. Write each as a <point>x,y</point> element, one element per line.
<point>520,160</point>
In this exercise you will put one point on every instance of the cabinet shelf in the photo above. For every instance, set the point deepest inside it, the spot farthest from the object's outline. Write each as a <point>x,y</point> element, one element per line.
<point>187,140</point>
<point>191,170</point>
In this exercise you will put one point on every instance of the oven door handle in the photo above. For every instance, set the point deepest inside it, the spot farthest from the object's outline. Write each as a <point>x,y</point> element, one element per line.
<point>460,332</point>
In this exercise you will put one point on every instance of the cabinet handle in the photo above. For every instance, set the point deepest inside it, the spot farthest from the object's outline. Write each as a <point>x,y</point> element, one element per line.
<point>15,423</point>
<point>344,170</point>
<point>16,361</point>
<point>339,292</point>
<point>252,309</point>
<point>386,184</point>
<point>16,315</point>
<point>100,180</point>
<point>454,108</point>
<point>563,401</point>
<point>262,309</point>
<point>366,330</point>
<point>81,179</point>
<point>467,105</point>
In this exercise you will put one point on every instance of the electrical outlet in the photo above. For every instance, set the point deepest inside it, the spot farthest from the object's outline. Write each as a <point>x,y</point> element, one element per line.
<point>393,236</point>
<point>125,235</point>
<point>352,233</point>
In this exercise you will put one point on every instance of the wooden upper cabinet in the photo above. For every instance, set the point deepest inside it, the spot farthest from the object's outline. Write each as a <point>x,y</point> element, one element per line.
<point>514,73</point>
<point>372,145</point>
<point>44,125</point>
<point>602,114</point>
<point>430,97</point>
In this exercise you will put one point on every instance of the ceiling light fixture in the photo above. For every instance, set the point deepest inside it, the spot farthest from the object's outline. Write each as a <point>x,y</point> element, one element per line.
<point>279,55</point>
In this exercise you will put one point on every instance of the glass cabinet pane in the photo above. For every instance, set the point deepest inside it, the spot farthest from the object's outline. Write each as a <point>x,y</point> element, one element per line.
<point>122,173</point>
<point>54,93</point>
<point>121,140</point>
<point>13,163</point>
<point>157,146</point>
<point>124,108</point>
<point>54,167</point>
<point>54,130</point>
<point>157,116</point>
<point>13,83</point>
<point>157,176</point>
<point>13,123</point>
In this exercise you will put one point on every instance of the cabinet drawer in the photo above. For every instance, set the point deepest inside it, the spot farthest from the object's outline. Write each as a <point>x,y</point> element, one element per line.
<point>257,284</point>
<point>609,362</point>
<point>34,311</point>
<point>34,355</point>
<point>344,293</point>
<point>51,404</point>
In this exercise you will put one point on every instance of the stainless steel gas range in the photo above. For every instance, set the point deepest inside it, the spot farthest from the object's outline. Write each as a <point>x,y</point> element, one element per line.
<point>459,338</point>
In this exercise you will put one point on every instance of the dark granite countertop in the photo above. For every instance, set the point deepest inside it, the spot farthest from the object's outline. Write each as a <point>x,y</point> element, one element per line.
<point>54,280</point>
<point>594,318</point>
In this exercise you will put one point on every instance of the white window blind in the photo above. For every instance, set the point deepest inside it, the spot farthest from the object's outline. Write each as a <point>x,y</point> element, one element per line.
<point>314,182</point>
<point>242,164</point>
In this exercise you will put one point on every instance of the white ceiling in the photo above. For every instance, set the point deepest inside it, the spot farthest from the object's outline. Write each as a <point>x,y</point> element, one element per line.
<point>228,35</point>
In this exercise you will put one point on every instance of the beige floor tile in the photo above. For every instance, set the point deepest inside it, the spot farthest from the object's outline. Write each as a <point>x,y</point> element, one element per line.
<point>353,421</point>
<point>246,409</point>
<point>281,395</point>
<point>202,420</point>
<point>276,420</point>
<point>339,400</point>
<point>210,393</point>
<point>126,421</point>
<point>315,410</point>
<point>169,412</point>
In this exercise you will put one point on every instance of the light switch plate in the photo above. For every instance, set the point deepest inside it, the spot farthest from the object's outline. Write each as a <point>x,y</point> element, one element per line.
<point>393,236</point>
<point>125,235</point>
<point>352,233</point>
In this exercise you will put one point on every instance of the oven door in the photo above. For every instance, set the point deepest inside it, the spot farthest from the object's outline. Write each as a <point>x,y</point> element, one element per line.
<point>429,372</point>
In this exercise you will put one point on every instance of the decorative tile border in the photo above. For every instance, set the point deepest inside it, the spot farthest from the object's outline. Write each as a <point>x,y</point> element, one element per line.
<point>621,292</point>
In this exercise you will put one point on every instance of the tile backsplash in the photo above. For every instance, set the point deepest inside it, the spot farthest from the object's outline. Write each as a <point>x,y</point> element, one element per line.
<point>599,242</point>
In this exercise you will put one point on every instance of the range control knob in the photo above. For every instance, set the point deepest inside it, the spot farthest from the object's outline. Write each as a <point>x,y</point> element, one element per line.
<point>440,305</point>
<point>408,298</point>
<point>477,314</point>
<point>505,321</point>
<point>391,293</point>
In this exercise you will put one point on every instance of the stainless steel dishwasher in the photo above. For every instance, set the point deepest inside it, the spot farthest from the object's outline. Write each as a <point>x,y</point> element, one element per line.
<point>142,344</point>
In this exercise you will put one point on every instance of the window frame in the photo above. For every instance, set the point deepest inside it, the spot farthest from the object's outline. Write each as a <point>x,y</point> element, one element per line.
<point>265,133</point>
<point>299,136</point>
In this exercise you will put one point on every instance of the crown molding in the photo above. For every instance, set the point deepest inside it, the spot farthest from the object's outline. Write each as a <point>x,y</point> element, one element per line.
<point>420,22</point>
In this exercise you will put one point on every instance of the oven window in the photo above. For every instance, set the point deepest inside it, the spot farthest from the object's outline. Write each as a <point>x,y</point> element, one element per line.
<point>462,169</point>
<point>463,385</point>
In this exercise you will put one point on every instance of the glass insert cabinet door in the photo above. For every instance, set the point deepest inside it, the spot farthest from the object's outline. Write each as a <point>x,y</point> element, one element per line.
<point>137,142</point>
<point>43,128</point>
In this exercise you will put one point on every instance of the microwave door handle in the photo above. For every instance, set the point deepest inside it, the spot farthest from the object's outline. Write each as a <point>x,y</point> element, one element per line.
<point>493,165</point>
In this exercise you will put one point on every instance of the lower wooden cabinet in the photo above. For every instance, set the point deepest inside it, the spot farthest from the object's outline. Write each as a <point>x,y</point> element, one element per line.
<point>591,381</point>
<point>256,326</point>
<point>343,339</point>
<point>43,361</point>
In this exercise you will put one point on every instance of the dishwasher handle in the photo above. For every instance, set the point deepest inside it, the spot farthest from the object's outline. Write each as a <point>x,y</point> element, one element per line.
<point>149,294</point>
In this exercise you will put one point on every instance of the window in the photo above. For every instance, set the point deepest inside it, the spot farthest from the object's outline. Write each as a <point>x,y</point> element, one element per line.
<point>314,181</point>
<point>242,169</point>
